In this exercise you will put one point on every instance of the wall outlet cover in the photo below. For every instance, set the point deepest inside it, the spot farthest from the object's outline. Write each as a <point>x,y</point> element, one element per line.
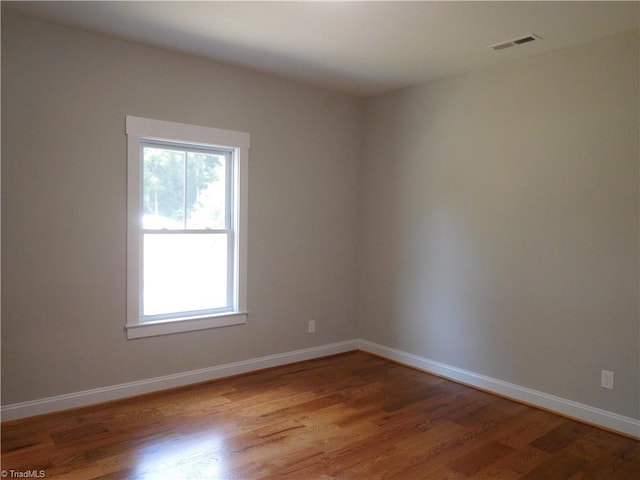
<point>606,379</point>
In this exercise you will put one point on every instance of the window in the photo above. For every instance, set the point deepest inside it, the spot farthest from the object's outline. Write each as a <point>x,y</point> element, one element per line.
<point>186,245</point>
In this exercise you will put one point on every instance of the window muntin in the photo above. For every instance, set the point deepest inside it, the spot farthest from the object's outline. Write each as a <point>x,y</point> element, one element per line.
<point>187,219</point>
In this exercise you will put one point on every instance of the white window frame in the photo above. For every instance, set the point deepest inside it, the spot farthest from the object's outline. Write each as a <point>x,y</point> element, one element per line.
<point>140,130</point>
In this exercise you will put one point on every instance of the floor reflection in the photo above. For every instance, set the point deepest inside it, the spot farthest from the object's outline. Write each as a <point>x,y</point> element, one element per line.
<point>183,457</point>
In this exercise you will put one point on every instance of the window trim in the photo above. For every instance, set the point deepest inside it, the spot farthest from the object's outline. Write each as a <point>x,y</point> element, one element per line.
<point>139,130</point>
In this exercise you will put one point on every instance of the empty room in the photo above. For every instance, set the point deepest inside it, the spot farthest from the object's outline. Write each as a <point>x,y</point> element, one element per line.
<point>320,240</point>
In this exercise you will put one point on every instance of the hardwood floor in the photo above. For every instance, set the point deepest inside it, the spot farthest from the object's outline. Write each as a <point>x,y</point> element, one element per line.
<point>351,416</point>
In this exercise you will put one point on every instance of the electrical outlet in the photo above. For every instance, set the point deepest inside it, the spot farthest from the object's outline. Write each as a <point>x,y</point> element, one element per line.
<point>311,326</point>
<point>606,379</point>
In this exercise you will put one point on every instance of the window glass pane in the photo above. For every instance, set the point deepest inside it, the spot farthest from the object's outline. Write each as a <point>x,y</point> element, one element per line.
<point>184,272</point>
<point>206,190</point>
<point>163,188</point>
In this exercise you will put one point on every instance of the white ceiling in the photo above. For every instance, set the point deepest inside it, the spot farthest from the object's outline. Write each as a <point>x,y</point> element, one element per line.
<point>362,48</point>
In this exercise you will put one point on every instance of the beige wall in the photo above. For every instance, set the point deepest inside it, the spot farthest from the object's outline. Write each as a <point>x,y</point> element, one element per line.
<point>495,215</point>
<point>500,222</point>
<point>65,95</point>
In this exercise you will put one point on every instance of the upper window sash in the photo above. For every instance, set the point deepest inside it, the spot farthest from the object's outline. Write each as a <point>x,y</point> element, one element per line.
<point>231,158</point>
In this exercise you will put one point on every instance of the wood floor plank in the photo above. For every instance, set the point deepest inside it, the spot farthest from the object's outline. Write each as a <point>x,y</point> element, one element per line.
<point>561,436</point>
<point>529,426</point>
<point>558,467</point>
<point>515,464</point>
<point>351,416</point>
<point>479,458</point>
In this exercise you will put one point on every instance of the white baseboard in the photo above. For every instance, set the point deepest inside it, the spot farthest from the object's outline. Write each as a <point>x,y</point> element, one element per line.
<point>562,406</point>
<point>568,408</point>
<point>98,395</point>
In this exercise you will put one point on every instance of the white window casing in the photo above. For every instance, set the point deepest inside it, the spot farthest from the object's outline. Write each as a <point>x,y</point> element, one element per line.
<point>143,132</point>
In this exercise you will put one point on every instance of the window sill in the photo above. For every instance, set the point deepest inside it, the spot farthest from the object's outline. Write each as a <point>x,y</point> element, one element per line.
<point>167,327</point>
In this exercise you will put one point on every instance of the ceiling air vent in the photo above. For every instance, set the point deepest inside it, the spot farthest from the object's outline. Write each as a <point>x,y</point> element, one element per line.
<point>515,41</point>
